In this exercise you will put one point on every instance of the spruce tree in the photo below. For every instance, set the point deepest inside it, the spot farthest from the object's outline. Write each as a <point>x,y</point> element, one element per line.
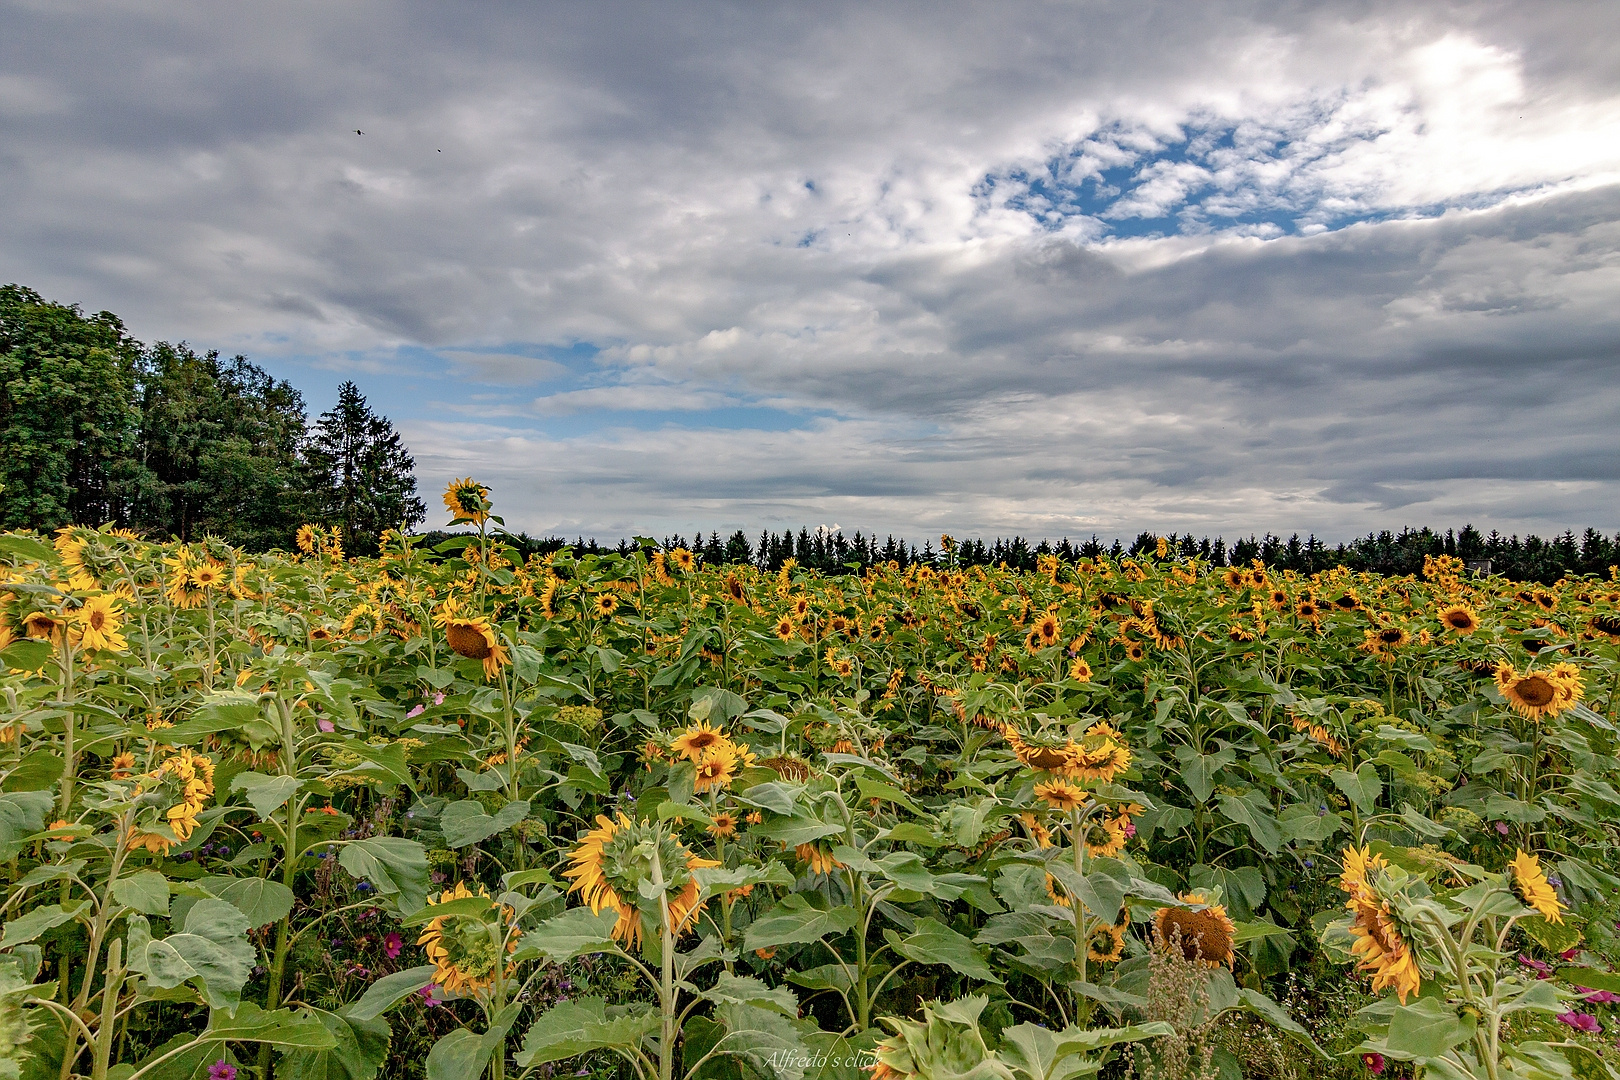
<point>362,478</point>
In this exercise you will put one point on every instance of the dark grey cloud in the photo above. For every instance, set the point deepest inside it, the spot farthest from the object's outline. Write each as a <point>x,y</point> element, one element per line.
<point>1354,265</point>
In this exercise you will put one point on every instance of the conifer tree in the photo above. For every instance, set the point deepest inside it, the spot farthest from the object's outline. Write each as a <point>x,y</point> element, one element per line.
<point>361,476</point>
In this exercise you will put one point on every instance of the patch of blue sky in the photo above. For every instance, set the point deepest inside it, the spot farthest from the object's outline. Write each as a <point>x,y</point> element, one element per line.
<point>1211,174</point>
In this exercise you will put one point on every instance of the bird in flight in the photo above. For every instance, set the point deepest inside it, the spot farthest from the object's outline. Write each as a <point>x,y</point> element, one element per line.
<point>357,131</point>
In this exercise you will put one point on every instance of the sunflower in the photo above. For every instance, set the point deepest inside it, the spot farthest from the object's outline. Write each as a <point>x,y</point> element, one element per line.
<point>464,957</point>
<point>1531,886</point>
<point>304,538</point>
<point>123,766</point>
<point>606,604</point>
<point>1567,678</point>
<point>1607,625</point>
<point>208,575</point>
<point>734,589</point>
<point>613,860</point>
<point>1080,671</point>
<point>837,624</point>
<point>724,825</point>
<point>1105,837</point>
<point>683,559</point>
<point>467,501</point>
<point>1544,600</point>
<point>1106,944</point>
<point>1134,650</point>
<point>96,625</point>
<point>1203,935</point>
<point>181,591</point>
<point>1460,618</point>
<point>1357,863</point>
<point>1046,629</point>
<point>785,628</point>
<point>1348,601</point>
<point>801,607</point>
<point>43,626</point>
<point>1061,795</point>
<point>1308,610</point>
<point>1101,762</point>
<point>695,740</point>
<point>1384,953</point>
<point>70,546</point>
<point>819,856</point>
<point>716,768</point>
<point>1534,694</point>
<point>472,637</point>
<point>1041,750</point>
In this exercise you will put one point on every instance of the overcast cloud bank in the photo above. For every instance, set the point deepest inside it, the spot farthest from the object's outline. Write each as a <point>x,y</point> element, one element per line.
<point>1042,268</point>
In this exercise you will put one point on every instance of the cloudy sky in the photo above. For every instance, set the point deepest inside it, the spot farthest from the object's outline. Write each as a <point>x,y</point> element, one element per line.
<point>1052,268</point>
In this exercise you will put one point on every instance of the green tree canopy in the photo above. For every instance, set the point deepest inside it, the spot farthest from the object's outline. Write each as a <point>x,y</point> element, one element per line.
<point>67,417</point>
<point>219,449</point>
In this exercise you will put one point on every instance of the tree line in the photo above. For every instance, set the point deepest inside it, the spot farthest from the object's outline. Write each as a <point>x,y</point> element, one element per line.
<point>1528,558</point>
<point>96,427</point>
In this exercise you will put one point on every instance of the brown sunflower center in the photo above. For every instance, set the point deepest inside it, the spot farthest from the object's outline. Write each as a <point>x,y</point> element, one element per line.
<point>98,620</point>
<point>1535,691</point>
<point>468,641</point>
<point>1203,934</point>
<point>1459,620</point>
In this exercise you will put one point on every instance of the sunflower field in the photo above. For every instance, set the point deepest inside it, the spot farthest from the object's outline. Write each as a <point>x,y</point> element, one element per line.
<point>444,813</point>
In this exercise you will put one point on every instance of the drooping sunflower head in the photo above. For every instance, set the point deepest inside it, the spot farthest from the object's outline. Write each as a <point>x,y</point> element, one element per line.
<point>1532,886</point>
<point>1357,863</point>
<point>1201,932</point>
<point>613,860</point>
<point>471,636</point>
<point>1383,950</point>
<point>464,953</point>
<point>1049,750</point>
<point>818,855</point>
<point>1459,618</point>
<point>467,500</point>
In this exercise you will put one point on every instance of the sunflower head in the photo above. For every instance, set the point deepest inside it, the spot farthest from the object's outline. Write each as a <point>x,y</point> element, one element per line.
<point>471,636</point>
<point>1532,886</point>
<point>1201,932</point>
<point>304,538</point>
<point>1536,694</point>
<point>467,500</point>
<point>1061,795</point>
<point>697,740</point>
<point>1079,670</point>
<point>612,862</point>
<point>1046,629</point>
<point>463,948</point>
<point>96,625</point>
<point>1459,618</point>
<point>716,768</point>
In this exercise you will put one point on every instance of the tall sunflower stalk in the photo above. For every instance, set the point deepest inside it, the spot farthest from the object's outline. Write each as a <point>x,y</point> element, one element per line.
<point>1403,934</point>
